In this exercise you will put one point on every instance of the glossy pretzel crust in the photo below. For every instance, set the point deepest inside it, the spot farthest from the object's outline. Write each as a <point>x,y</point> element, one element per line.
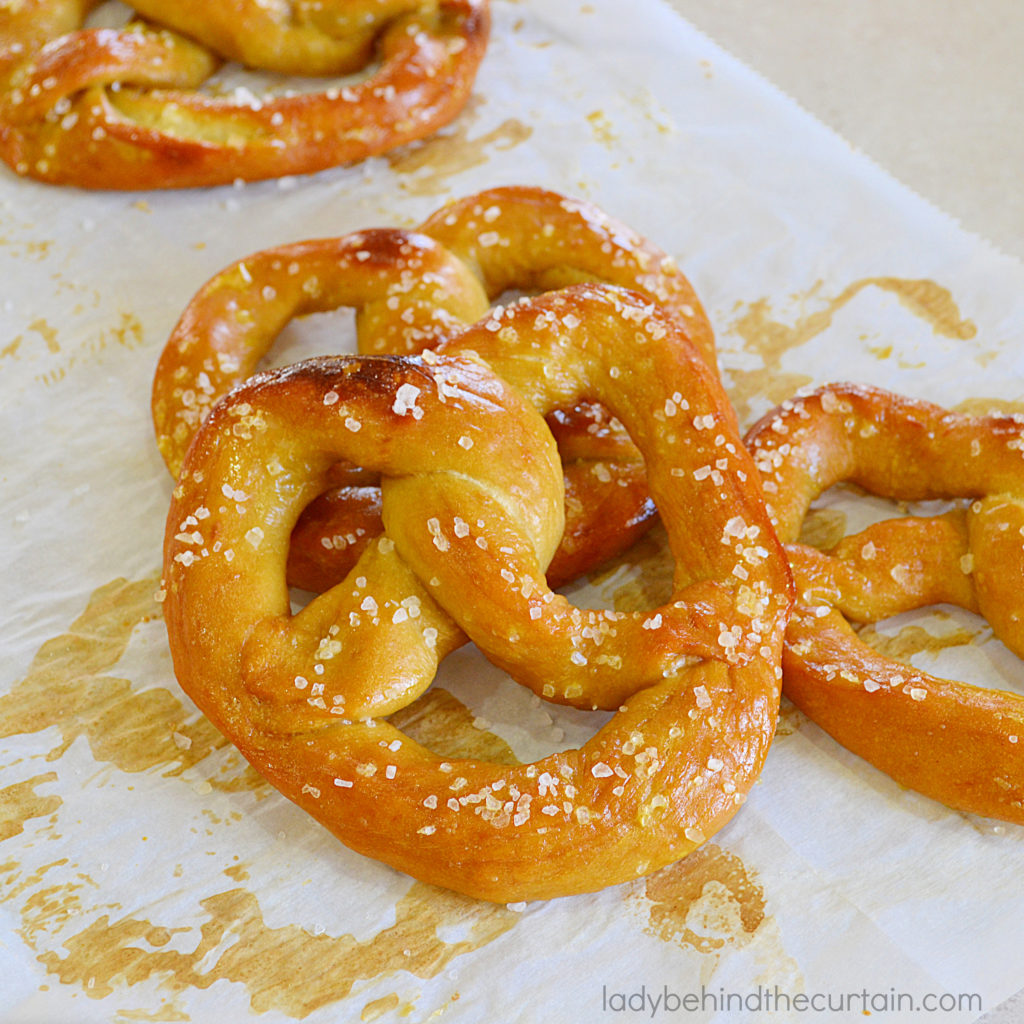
<point>124,108</point>
<point>469,527</point>
<point>960,744</point>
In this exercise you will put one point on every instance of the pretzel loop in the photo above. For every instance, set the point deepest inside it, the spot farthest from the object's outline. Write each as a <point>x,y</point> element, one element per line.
<point>232,323</point>
<point>599,343</point>
<point>122,109</point>
<point>526,238</point>
<point>410,292</point>
<point>468,522</point>
<point>959,744</point>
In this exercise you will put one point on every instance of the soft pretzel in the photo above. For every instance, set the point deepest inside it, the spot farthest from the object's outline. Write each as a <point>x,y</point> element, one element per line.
<point>125,108</point>
<point>410,291</point>
<point>468,530</point>
<point>959,744</point>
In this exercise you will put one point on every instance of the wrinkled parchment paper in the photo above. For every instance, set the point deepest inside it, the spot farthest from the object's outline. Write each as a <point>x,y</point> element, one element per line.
<point>147,875</point>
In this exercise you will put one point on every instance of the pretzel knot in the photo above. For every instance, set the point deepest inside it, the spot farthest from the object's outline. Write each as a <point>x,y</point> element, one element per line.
<point>959,744</point>
<point>132,108</point>
<point>469,527</point>
<point>411,290</point>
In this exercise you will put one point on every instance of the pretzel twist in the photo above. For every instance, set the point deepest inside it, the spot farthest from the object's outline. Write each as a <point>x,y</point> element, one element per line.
<point>469,529</point>
<point>411,290</point>
<point>124,108</point>
<point>959,744</point>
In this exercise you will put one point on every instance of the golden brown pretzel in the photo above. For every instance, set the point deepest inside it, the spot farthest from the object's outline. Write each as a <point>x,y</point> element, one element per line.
<point>960,744</point>
<point>123,108</point>
<point>410,292</point>
<point>696,681</point>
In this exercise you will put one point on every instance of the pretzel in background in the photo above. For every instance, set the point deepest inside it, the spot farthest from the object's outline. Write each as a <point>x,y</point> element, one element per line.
<point>411,290</point>
<point>960,744</point>
<point>124,108</point>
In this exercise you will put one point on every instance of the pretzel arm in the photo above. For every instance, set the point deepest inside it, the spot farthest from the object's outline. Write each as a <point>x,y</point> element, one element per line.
<point>894,566</point>
<point>28,25</point>
<point>669,771</point>
<point>891,445</point>
<point>521,237</point>
<point>995,529</point>
<point>959,744</point>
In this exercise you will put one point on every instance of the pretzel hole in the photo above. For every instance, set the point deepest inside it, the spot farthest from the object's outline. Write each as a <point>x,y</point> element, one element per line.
<point>533,728</point>
<point>942,639</point>
<point>948,642</point>
<point>845,509</point>
<point>110,14</point>
<point>313,334</point>
<point>638,580</point>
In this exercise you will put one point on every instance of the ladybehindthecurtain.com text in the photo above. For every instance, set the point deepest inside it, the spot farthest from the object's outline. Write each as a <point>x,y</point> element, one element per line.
<point>654,1002</point>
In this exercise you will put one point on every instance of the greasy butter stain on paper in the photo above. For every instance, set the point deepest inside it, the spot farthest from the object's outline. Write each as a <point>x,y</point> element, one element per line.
<point>14,883</point>
<point>20,802</point>
<point>40,327</point>
<point>790,718</point>
<point>47,332</point>
<point>602,129</point>
<point>443,724</point>
<point>168,1013</point>
<point>990,407</point>
<point>706,902</point>
<point>823,528</point>
<point>912,639</point>
<point>376,1009</point>
<point>645,103</point>
<point>642,577</point>
<point>66,688</point>
<point>427,165</point>
<point>95,945</point>
<point>772,339</point>
<point>32,248</point>
<point>285,969</point>
<point>47,910</point>
<point>126,332</point>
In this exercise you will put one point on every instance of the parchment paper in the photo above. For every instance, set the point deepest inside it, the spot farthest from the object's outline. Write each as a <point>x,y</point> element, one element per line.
<point>147,874</point>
